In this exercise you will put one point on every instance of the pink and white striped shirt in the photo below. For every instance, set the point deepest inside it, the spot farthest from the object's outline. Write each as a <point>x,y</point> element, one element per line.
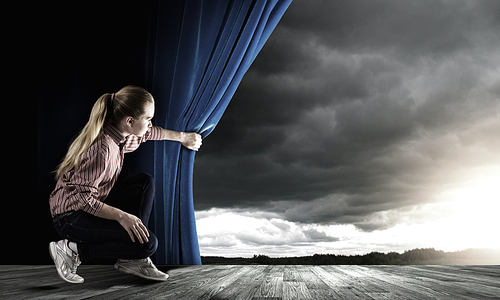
<point>88,186</point>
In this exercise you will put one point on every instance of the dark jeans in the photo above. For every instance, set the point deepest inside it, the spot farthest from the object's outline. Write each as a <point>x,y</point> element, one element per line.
<point>101,238</point>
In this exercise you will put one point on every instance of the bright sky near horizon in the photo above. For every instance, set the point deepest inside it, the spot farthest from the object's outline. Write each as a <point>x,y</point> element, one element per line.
<point>361,126</point>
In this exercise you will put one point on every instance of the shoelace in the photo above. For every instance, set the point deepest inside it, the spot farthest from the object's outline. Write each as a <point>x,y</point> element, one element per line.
<point>150,263</point>
<point>76,262</point>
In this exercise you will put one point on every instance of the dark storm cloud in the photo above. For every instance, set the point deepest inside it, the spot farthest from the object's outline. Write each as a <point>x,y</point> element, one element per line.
<point>357,107</point>
<point>412,27</point>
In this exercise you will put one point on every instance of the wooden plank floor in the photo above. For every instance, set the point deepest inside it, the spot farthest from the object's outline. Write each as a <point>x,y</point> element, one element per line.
<point>259,282</point>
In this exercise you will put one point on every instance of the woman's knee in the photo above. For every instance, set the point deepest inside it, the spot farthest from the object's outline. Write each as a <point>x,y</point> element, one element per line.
<point>144,178</point>
<point>151,245</point>
<point>146,182</point>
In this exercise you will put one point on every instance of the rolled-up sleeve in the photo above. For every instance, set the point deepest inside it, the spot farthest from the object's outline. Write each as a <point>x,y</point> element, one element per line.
<point>133,142</point>
<point>155,133</point>
<point>83,186</point>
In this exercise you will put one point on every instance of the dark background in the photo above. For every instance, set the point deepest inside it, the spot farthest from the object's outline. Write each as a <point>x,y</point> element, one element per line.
<point>79,53</point>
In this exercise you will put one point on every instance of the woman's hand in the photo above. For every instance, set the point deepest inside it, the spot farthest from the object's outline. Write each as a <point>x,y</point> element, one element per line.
<point>191,140</point>
<point>133,225</point>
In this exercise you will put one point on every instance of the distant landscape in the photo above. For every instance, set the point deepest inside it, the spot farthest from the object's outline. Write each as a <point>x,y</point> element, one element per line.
<point>427,256</point>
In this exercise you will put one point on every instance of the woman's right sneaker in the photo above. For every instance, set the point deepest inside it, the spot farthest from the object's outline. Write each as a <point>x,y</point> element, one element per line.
<point>141,267</point>
<point>66,261</point>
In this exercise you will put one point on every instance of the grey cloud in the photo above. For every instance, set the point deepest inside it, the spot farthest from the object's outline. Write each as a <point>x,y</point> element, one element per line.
<point>313,235</point>
<point>407,29</point>
<point>256,229</point>
<point>358,107</point>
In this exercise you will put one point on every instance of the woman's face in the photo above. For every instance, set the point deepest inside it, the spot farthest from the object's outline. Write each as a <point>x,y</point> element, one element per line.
<point>139,126</point>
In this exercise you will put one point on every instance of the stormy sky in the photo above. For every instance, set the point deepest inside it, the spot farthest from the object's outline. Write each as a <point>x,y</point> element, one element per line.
<point>361,126</point>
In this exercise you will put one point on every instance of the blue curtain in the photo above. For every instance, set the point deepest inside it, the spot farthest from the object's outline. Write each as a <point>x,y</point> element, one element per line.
<point>199,52</point>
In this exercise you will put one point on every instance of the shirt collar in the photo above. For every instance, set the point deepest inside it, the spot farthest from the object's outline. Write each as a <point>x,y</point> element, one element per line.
<point>114,133</point>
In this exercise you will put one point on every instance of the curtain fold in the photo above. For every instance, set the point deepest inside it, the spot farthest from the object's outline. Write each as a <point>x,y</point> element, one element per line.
<point>199,52</point>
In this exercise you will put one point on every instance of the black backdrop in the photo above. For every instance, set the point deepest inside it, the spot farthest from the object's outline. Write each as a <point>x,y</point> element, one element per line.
<point>81,51</point>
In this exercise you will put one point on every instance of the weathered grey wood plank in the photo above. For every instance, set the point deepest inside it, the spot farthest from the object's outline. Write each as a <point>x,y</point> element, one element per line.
<point>451,284</point>
<point>330,276</point>
<point>468,286</point>
<point>259,282</point>
<point>247,286</point>
<point>295,290</point>
<point>272,285</point>
<point>50,286</point>
<point>402,283</point>
<point>211,287</point>
<point>291,274</point>
<point>313,282</point>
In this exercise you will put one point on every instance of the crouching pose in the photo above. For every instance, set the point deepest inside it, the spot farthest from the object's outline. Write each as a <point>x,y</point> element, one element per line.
<point>96,216</point>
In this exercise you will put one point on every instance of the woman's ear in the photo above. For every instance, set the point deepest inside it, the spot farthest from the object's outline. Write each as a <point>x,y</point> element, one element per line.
<point>129,121</point>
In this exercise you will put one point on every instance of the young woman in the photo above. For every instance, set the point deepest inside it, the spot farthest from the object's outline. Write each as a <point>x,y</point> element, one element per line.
<point>96,215</point>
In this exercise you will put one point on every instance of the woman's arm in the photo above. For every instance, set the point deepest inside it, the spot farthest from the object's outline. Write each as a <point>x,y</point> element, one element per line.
<point>190,140</point>
<point>132,224</point>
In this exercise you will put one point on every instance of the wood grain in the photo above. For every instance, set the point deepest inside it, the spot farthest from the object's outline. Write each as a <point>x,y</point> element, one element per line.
<point>259,282</point>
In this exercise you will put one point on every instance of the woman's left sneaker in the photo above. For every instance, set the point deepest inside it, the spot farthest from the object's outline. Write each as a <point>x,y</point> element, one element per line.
<point>141,267</point>
<point>66,261</point>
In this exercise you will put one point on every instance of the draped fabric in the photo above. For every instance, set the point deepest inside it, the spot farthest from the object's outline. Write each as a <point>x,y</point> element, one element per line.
<point>201,51</point>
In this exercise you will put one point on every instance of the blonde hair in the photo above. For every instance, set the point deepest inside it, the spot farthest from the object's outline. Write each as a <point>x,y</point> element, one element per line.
<point>129,101</point>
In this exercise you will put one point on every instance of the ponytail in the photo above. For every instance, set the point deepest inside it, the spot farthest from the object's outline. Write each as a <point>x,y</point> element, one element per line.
<point>129,101</point>
<point>86,137</point>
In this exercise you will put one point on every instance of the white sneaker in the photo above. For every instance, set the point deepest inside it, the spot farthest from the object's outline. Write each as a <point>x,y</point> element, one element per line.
<point>66,261</point>
<point>141,267</point>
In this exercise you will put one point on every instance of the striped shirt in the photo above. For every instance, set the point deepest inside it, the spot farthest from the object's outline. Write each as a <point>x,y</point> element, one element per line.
<point>88,186</point>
